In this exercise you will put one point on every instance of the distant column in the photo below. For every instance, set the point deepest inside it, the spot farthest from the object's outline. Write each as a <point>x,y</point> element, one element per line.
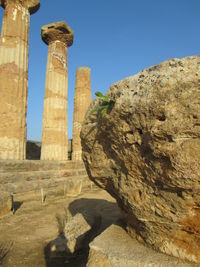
<point>58,36</point>
<point>14,51</point>
<point>82,100</point>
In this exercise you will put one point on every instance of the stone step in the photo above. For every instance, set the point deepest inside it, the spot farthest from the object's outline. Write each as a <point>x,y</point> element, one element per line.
<point>25,185</point>
<point>68,172</point>
<point>38,165</point>
<point>30,175</point>
<point>15,177</point>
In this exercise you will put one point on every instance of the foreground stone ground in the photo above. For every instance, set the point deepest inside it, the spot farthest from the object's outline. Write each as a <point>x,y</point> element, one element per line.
<point>30,230</point>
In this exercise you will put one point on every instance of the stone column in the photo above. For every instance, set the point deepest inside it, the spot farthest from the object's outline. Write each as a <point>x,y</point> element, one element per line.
<point>82,100</point>
<point>58,36</point>
<point>14,51</point>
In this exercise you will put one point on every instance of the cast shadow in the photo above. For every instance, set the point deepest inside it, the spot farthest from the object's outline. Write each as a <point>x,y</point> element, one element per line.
<point>52,259</point>
<point>107,210</point>
<point>105,214</point>
<point>16,205</point>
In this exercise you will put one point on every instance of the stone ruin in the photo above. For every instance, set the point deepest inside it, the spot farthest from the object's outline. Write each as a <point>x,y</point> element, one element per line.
<point>53,170</point>
<point>14,45</point>
<point>14,50</point>
<point>82,101</point>
<point>58,36</point>
<point>149,161</point>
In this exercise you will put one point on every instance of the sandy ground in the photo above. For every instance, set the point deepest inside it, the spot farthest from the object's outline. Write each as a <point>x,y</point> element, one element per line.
<point>30,230</point>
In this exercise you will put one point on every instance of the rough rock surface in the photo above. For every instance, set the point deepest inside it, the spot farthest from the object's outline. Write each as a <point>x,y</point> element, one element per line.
<point>107,251</point>
<point>146,153</point>
<point>57,31</point>
<point>5,203</point>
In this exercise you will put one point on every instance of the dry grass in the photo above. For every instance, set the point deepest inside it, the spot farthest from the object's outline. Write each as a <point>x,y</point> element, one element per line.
<point>4,250</point>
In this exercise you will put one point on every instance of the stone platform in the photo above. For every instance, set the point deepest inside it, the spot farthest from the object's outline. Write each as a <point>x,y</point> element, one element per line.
<point>114,248</point>
<point>29,175</point>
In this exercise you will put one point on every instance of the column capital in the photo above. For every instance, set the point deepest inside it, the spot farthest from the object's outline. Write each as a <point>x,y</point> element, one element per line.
<point>83,69</point>
<point>31,5</point>
<point>58,31</point>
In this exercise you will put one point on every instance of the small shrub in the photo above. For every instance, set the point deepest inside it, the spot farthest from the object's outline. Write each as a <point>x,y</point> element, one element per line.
<point>105,104</point>
<point>4,250</point>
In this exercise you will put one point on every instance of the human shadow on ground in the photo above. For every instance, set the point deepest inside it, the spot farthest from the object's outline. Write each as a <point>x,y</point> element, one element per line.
<point>52,259</point>
<point>16,205</point>
<point>107,211</point>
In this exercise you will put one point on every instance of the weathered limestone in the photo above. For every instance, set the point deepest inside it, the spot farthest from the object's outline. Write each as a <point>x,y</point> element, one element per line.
<point>146,153</point>
<point>14,50</point>
<point>82,100</point>
<point>58,36</point>
<point>114,248</point>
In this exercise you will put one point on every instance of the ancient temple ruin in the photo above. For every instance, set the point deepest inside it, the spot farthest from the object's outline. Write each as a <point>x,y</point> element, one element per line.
<point>58,36</point>
<point>14,51</point>
<point>82,100</point>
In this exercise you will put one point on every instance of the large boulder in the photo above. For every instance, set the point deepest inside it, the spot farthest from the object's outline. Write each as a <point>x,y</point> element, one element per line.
<point>146,153</point>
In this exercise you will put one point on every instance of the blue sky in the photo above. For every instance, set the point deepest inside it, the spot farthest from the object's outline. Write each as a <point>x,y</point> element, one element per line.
<point>116,38</point>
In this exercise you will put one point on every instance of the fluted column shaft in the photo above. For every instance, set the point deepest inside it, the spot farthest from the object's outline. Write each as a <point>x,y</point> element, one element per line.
<point>14,47</point>
<point>82,100</point>
<point>54,131</point>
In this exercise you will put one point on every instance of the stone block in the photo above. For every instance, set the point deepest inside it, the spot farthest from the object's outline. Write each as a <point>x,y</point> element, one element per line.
<point>115,248</point>
<point>78,231</point>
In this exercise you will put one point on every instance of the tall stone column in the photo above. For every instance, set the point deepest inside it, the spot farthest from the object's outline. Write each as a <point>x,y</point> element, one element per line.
<point>82,100</point>
<point>58,36</point>
<point>14,52</point>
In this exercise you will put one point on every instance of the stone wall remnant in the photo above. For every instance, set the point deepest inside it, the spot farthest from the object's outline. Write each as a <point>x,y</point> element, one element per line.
<point>14,51</point>
<point>82,100</point>
<point>146,153</point>
<point>58,36</point>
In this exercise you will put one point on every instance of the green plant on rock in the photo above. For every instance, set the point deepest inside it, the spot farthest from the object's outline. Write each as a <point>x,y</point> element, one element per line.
<point>105,104</point>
